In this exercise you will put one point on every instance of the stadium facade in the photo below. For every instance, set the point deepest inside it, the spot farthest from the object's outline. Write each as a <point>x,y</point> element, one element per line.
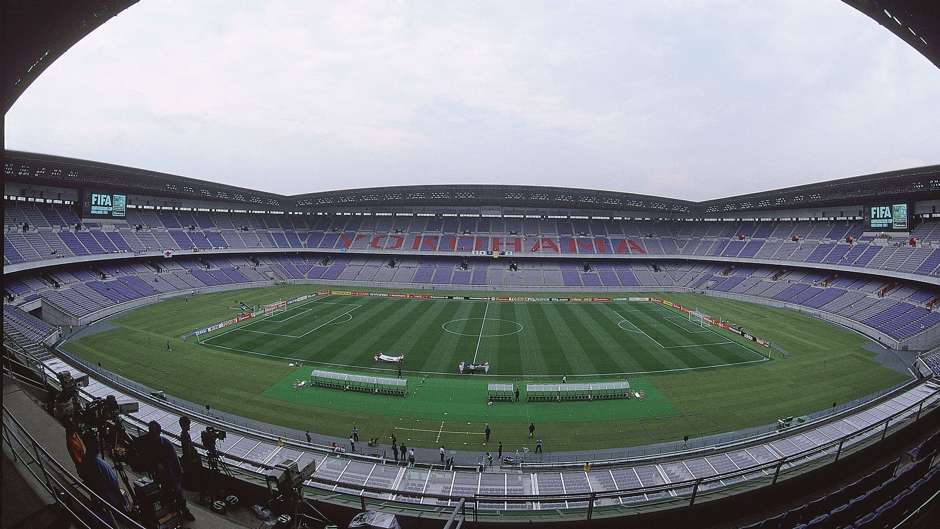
<point>818,248</point>
<point>84,240</point>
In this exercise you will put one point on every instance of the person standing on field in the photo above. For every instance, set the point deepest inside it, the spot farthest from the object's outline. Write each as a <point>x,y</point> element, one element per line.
<point>486,433</point>
<point>531,430</point>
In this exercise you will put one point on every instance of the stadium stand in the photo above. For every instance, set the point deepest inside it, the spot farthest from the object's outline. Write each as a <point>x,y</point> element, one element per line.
<point>82,269</point>
<point>899,309</point>
<point>820,242</point>
<point>885,494</point>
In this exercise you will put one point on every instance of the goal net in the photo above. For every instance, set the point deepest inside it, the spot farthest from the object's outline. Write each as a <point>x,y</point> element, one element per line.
<point>698,318</point>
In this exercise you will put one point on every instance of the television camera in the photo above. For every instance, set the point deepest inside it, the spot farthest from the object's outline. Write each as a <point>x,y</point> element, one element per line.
<point>210,437</point>
<point>285,485</point>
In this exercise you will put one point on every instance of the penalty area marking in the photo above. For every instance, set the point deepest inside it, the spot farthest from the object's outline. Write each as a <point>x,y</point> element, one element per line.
<point>718,334</point>
<point>348,319</point>
<point>257,320</point>
<point>696,345</point>
<point>634,329</point>
<point>673,321</point>
<point>644,333</point>
<point>331,321</point>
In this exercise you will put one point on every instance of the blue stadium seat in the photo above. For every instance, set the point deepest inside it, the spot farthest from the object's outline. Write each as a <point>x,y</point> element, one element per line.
<point>865,522</point>
<point>840,515</point>
<point>819,522</point>
<point>886,507</point>
<point>871,501</point>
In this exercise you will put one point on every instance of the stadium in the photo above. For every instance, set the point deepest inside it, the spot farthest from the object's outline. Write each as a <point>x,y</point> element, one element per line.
<point>490,354</point>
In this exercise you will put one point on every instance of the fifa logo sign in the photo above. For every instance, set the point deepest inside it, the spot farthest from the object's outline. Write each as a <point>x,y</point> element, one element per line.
<point>100,200</point>
<point>881,212</point>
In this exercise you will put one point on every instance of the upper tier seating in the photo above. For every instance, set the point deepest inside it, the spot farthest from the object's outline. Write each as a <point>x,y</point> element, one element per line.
<point>51,234</point>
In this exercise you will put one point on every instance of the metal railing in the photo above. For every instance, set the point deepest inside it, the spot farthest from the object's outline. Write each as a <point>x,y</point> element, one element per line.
<point>696,442</point>
<point>673,494</point>
<point>667,494</point>
<point>83,505</point>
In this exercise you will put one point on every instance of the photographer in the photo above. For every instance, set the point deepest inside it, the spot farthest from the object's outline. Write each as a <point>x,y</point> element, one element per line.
<point>74,444</point>
<point>100,477</point>
<point>189,460</point>
<point>165,466</point>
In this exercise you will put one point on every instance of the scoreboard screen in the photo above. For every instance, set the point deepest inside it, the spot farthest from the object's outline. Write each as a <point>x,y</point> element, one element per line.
<point>887,217</point>
<point>106,205</point>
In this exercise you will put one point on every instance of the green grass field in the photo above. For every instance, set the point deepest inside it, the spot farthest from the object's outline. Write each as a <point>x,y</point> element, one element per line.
<point>517,339</point>
<point>695,380</point>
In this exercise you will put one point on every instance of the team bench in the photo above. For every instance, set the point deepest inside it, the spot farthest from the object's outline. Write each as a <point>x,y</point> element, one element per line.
<point>579,391</point>
<point>365,384</point>
<point>504,392</point>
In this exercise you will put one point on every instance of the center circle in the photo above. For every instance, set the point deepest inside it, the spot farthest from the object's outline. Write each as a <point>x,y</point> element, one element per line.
<point>482,321</point>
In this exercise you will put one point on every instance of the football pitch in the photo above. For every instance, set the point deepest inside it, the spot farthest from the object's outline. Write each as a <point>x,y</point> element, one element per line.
<point>694,380</point>
<point>515,338</point>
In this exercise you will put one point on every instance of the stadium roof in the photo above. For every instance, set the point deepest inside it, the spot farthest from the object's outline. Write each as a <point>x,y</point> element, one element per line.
<point>916,22</point>
<point>917,183</point>
<point>37,32</point>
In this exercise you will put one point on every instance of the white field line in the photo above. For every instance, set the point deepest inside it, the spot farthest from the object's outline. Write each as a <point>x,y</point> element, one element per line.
<point>435,431</point>
<point>439,430</point>
<point>696,345</point>
<point>259,320</point>
<point>243,328</point>
<point>637,328</point>
<point>709,329</point>
<point>334,320</point>
<point>671,320</point>
<point>360,368</point>
<point>331,320</point>
<point>479,338</point>
<point>269,333</point>
<point>291,317</point>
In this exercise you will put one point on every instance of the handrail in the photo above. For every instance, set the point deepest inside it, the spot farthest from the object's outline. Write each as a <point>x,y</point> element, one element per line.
<point>57,480</point>
<point>743,441</point>
<point>834,447</point>
<point>326,450</point>
<point>777,465</point>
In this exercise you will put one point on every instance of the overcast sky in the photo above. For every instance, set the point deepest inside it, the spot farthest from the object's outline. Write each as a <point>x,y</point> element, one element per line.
<point>689,99</point>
